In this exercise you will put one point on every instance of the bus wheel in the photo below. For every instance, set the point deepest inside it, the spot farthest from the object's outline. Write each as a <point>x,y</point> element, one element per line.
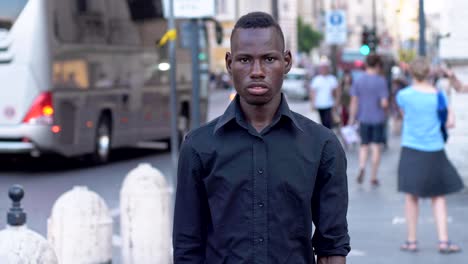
<point>102,141</point>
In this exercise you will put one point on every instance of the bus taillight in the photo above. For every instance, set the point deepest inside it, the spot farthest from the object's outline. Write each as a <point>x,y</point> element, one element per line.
<point>41,111</point>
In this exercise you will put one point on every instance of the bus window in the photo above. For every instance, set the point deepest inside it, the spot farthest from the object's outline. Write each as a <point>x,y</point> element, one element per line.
<point>72,74</point>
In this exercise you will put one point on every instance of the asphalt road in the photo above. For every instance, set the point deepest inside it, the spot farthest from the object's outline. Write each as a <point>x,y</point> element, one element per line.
<point>376,215</point>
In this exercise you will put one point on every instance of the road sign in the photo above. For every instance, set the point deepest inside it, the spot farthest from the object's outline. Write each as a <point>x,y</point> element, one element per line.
<point>335,27</point>
<point>191,8</point>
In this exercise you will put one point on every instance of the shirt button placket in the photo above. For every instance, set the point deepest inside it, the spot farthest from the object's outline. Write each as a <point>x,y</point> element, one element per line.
<point>260,196</point>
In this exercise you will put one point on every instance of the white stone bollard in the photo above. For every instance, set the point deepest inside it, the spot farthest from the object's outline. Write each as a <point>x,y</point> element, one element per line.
<point>80,228</point>
<point>145,217</point>
<point>18,244</point>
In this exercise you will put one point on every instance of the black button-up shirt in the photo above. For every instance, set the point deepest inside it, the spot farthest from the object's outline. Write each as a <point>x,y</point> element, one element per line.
<point>249,197</point>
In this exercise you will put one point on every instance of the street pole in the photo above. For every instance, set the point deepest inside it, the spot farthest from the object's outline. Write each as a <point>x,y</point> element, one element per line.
<point>374,17</point>
<point>422,30</point>
<point>334,57</point>
<point>195,111</point>
<point>274,9</point>
<point>173,98</point>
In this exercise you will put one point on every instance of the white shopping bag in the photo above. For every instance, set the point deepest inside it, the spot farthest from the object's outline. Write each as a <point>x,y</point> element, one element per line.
<point>350,134</point>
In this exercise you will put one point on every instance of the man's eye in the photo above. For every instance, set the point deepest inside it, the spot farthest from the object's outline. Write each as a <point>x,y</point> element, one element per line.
<point>270,59</point>
<point>244,60</point>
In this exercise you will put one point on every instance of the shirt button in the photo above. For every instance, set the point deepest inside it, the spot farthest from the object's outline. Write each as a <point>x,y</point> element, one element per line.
<point>260,171</point>
<point>260,239</point>
<point>260,205</point>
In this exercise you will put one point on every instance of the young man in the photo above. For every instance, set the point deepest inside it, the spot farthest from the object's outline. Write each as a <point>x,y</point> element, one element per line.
<point>323,91</point>
<point>251,182</point>
<point>369,99</point>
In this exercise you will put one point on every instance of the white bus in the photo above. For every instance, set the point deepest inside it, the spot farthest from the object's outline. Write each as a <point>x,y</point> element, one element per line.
<point>82,77</point>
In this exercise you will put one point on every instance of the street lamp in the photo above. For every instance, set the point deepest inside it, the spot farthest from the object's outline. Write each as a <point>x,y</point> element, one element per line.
<point>438,37</point>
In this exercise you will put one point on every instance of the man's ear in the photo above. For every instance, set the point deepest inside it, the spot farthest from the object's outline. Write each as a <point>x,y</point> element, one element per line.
<point>287,61</point>
<point>228,61</point>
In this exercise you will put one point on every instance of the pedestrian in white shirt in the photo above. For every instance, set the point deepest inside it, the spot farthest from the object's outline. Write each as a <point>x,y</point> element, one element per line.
<point>323,93</point>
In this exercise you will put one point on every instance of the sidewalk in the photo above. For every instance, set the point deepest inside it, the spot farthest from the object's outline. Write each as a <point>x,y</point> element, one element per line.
<point>457,146</point>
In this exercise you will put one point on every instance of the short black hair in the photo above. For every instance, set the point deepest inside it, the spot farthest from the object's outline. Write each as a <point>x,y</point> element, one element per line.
<point>258,20</point>
<point>374,60</point>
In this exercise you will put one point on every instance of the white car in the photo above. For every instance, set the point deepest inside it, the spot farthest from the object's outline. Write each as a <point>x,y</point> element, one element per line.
<point>295,84</point>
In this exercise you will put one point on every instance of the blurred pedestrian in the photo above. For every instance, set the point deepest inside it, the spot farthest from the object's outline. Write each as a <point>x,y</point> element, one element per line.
<point>399,82</point>
<point>424,169</point>
<point>345,96</point>
<point>323,91</point>
<point>369,100</point>
<point>213,81</point>
<point>226,81</point>
<point>455,82</point>
<point>251,182</point>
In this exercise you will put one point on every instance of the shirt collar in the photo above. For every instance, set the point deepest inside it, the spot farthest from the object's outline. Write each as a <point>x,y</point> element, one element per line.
<point>234,112</point>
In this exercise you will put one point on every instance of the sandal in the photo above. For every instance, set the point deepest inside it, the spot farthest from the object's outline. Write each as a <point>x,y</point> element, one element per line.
<point>375,182</point>
<point>360,177</point>
<point>447,247</point>
<point>410,246</point>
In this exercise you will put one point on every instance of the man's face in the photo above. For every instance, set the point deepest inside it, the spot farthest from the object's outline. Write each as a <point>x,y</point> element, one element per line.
<point>323,69</point>
<point>257,64</point>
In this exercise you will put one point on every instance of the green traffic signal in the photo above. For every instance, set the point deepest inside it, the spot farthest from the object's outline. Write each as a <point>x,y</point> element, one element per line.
<point>365,50</point>
<point>202,56</point>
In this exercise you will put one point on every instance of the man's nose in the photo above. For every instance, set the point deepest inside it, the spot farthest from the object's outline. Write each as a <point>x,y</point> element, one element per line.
<point>257,69</point>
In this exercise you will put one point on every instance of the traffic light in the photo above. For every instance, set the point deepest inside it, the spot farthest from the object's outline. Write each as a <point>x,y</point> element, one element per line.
<point>365,36</point>
<point>372,40</point>
<point>365,50</point>
<point>369,41</point>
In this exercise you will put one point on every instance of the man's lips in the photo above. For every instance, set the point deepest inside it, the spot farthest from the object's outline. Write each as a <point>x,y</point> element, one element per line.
<point>257,89</point>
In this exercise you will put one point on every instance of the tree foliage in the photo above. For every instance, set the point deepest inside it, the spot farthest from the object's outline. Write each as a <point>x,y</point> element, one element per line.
<point>406,55</point>
<point>307,37</point>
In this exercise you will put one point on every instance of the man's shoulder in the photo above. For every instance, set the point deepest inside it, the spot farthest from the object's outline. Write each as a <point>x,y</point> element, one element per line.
<point>202,134</point>
<point>331,77</point>
<point>316,78</point>
<point>405,92</point>
<point>371,80</point>
<point>312,128</point>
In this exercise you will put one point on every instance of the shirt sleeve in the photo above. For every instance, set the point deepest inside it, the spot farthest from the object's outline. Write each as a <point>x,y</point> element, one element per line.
<point>330,203</point>
<point>313,84</point>
<point>334,82</point>
<point>191,209</point>
<point>384,90</point>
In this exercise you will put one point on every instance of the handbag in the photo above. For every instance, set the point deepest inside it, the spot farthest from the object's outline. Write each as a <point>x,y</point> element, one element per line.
<point>442,112</point>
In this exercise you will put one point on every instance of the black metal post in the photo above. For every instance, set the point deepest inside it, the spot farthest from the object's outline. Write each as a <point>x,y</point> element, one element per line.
<point>374,17</point>
<point>173,97</point>
<point>274,9</point>
<point>195,105</point>
<point>422,30</point>
<point>334,57</point>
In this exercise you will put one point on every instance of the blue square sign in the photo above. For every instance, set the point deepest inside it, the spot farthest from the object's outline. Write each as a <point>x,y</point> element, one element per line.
<point>335,28</point>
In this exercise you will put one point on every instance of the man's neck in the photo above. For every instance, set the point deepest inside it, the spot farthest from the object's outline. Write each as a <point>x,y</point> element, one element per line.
<point>372,71</point>
<point>260,116</point>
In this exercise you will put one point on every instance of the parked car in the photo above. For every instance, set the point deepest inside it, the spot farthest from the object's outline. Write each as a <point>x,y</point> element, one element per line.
<point>295,84</point>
